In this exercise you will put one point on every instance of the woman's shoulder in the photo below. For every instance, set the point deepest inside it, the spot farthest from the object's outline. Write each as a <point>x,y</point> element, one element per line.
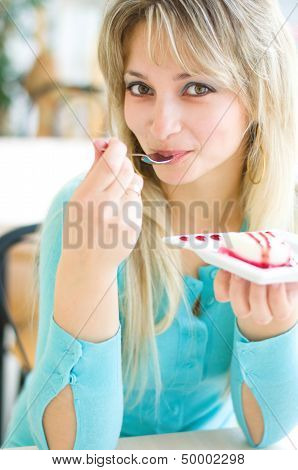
<point>65,192</point>
<point>61,196</point>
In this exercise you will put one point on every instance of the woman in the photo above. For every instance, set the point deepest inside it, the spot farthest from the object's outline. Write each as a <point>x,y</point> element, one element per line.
<point>187,330</point>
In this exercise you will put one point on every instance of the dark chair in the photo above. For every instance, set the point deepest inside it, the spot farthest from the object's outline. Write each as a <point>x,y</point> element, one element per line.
<point>8,241</point>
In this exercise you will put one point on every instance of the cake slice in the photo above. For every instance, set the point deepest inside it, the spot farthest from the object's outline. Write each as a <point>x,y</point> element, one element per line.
<point>261,249</point>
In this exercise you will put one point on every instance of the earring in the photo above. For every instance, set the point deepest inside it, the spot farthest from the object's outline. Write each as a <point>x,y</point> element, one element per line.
<point>258,141</point>
<point>250,173</point>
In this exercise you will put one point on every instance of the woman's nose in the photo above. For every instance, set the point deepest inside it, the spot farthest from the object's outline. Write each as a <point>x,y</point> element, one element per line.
<point>165,121</point>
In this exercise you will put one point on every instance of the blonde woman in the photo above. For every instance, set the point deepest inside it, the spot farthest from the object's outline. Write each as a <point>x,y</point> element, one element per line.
<point>136,338</point>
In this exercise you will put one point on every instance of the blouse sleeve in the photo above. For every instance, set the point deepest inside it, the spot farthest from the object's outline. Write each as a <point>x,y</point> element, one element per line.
<point>270,369</point>
<point>93,370</point>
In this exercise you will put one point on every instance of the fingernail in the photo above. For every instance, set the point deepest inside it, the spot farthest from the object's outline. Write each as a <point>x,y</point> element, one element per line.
<point>97,143</point>
<point>99,149</point>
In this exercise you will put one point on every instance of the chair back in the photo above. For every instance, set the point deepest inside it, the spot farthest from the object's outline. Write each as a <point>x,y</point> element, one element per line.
<point>18,300</point>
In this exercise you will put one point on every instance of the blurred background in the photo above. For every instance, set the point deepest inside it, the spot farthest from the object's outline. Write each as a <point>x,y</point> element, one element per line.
<point>45,45</point>
<point>52,102</point>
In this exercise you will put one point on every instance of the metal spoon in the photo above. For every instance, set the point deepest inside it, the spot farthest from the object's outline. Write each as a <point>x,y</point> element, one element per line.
<point>148,159</point>
<point>145,158</point>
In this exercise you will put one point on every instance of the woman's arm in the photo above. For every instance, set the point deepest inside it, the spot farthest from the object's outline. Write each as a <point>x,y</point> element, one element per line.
<point>264,369</point>
<point>264,385</point>
<point>88,311</point>
<point>254,332</point>
<point>73,396</point>
<point>59,419</point>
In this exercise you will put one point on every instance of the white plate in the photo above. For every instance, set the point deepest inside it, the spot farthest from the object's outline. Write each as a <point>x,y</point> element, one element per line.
<point>208,251</point>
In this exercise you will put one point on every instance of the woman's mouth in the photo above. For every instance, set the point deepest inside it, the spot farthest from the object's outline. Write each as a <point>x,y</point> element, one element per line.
<point>170,157</point>
<point>179,157</point>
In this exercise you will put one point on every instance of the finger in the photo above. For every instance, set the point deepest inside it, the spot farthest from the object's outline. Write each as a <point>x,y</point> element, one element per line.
<point>239,296</point>
<point>108,166</point>
<point>133,190</point>
<point>100,145</point>
<point>292,294</point>
<point>259,307</point>
<point>132,203</point>
<point>291,287</point>
<point>124,178</point>
<point>135,186</point>
<point>279,302</point>
<point>222,286</point>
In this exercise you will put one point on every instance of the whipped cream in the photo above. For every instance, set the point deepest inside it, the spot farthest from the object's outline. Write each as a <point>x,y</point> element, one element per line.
<point>263,249</point>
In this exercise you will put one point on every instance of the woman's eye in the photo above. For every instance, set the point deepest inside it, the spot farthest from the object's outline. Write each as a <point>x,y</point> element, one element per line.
<point>138,86</point>
<point>197,87</point>
<point>140,89</point>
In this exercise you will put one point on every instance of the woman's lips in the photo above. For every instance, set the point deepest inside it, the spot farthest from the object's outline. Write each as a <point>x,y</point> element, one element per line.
<point>179,157</point>
<point>169,153</point>
<point>171,156</point>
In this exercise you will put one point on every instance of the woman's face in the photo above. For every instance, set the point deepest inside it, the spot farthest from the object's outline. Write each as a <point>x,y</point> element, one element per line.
<point>191,113</point>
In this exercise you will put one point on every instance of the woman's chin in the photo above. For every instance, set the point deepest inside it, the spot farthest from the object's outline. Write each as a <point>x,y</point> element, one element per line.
<point>176,177</point>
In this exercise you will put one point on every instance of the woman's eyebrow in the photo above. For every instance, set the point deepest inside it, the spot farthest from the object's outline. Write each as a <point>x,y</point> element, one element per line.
<point>180,76</point>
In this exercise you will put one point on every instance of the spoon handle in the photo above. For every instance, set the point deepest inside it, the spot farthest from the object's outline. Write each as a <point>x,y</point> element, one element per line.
<point>145,158</point>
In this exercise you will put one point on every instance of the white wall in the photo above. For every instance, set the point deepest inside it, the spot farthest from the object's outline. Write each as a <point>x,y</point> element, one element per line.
<point>33,170</point>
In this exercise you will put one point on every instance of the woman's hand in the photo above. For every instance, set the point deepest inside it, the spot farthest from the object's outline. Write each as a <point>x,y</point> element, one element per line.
<point>108,209</point>
<point>273,307</point>
<point>98,233</point>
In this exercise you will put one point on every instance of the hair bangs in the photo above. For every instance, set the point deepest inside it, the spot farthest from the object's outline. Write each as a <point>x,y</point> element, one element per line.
<point>167,34</point>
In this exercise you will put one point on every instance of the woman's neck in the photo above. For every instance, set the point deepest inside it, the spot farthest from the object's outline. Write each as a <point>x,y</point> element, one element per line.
<point>210,203</point>
<point>226,223</point>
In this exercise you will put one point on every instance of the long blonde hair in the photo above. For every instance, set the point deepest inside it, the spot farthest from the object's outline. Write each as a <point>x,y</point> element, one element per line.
<point>248,48</point>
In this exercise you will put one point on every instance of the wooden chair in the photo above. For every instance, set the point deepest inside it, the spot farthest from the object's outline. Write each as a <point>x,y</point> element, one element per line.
<point>18,300</point>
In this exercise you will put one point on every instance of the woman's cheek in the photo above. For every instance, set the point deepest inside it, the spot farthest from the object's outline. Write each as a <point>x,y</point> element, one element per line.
<point>131,115</point>
<point>126,111</point>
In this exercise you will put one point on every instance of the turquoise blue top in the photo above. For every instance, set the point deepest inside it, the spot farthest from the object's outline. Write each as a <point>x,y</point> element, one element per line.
<point>195,373</point>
